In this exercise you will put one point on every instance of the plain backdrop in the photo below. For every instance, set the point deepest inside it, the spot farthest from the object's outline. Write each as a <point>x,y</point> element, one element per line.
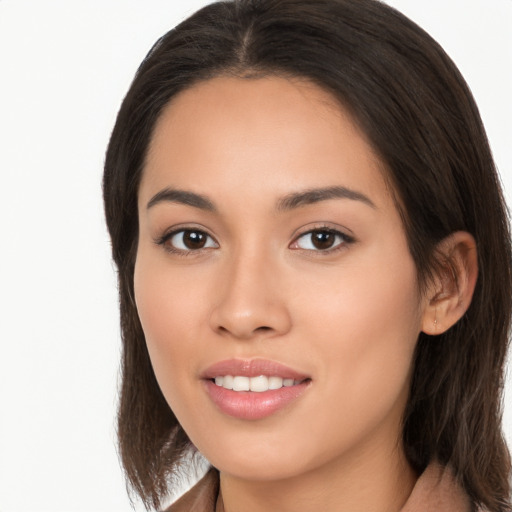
<point>64,69</point>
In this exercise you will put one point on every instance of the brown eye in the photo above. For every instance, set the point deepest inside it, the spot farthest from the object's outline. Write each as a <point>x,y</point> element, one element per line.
<point>194,239</point>
<point>321,240</point>
<point>190,240</point>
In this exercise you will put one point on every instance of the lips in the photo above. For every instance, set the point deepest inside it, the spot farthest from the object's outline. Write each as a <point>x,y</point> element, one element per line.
<point>252,368</point>
<point>253,389</point>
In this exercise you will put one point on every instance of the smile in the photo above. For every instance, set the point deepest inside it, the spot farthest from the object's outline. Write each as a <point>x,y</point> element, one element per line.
<point>253,389</point>
<point>258,384</point>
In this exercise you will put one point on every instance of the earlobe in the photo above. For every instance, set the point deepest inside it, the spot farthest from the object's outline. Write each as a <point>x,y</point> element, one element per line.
<point>451,291</point>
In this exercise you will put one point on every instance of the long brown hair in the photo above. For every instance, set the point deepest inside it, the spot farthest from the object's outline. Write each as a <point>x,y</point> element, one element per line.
<point>418,113</point>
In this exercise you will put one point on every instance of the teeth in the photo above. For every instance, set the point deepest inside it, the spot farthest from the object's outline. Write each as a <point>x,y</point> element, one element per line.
<point>241,383</point>
<point>256,384</point>
<point>227,382</point>
<point>275,382</point>
<point>259,384</point>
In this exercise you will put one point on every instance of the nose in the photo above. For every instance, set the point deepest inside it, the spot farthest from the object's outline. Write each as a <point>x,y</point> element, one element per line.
<point>250,303</point>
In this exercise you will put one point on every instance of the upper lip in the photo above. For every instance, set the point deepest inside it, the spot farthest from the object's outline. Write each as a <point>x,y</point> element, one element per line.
<point>252,368</point>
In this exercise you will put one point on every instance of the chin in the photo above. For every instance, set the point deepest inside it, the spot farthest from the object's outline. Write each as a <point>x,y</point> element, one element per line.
<point>258,460</point>
<point>262,470</point>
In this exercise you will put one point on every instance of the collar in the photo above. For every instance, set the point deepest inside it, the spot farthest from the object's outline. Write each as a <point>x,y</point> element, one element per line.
<point>436,490</point>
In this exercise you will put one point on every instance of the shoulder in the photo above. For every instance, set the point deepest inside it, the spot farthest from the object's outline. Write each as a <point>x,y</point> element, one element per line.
<point>201,498</point>
<point>437,490</point>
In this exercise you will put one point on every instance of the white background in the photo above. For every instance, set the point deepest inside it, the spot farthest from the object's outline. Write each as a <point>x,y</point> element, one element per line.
<point>64,68</point>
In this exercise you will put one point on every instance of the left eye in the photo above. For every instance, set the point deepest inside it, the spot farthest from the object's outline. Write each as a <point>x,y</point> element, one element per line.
<point>190,240</point>
<point>320,240</point>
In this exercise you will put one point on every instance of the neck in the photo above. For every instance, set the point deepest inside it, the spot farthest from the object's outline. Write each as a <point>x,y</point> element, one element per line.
<point>380,483</point>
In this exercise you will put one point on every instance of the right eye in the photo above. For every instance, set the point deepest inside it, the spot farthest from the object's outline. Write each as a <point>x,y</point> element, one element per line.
<point>187,240</point>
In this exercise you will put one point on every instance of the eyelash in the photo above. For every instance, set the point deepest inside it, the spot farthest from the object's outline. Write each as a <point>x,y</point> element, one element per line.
<point>163,241</point>
<point>343,241</point>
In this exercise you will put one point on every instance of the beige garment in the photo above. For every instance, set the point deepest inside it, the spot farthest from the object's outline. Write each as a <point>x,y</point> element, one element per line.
<point>435,491</point>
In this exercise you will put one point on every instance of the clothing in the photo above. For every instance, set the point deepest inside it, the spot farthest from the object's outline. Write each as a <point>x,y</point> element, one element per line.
<point>435,491</point>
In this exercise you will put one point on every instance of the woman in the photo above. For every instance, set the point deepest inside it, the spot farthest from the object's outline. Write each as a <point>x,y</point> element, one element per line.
<point>314,266</point>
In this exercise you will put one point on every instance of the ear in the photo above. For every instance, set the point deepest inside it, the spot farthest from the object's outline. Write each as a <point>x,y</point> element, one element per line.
<point>449,295</point>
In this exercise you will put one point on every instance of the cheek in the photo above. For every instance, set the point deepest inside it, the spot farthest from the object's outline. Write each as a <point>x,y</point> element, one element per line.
<point>379,318</point>
<point>366,314</point>
<point>367,328</point>
<point>169,318</point>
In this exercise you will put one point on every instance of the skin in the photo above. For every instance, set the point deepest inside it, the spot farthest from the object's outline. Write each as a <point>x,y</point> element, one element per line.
<point>348,317</point>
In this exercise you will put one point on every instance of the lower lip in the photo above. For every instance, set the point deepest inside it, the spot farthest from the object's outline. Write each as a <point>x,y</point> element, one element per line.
<point>251,405</point>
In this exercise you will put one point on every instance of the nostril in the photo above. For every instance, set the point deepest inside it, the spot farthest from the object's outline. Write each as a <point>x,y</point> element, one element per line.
<point>263,328</point>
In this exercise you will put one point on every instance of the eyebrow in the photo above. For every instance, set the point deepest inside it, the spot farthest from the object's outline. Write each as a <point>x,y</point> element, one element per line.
<point>182,197</point>
<point>286,203</point>
<point>315,195</point>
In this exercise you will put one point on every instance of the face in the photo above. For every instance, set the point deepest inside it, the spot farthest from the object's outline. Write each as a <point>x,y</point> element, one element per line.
<point>272,261</point>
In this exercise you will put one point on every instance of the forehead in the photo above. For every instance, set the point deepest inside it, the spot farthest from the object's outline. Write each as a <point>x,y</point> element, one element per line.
<point>263,133</point>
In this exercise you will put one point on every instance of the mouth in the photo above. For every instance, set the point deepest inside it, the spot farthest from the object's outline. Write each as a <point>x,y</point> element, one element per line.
<point>258,384</point>
<point>253,389</point>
